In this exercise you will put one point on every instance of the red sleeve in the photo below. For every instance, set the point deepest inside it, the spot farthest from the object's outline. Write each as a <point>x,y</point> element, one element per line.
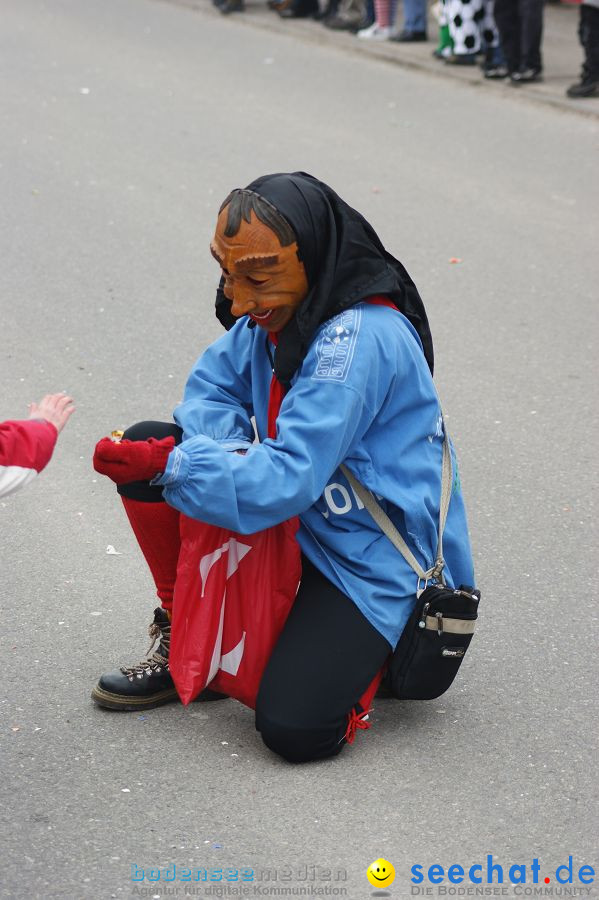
<point>27,444</point>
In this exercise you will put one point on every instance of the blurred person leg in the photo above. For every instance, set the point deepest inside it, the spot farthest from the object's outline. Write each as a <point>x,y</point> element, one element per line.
<point>531,18</point>
<point>464,28</point>
<point>588,33</point>
<point>414,22</point>
<point>349,16</point>
<point>494,65</point>
<point>444,47</point>
<point>381,29</point>
<point>369,17</point>
<point>326,11</point>
<point>507,20</point>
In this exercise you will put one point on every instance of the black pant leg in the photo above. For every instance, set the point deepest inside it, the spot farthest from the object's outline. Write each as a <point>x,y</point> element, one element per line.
<point>141,431</point>
<point>507,20</point>
<point>589,38</point>
<point>531,18</point>
<point>326,657</point>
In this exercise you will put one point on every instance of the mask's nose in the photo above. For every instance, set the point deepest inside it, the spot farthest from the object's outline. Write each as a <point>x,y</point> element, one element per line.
<point>242,302</point>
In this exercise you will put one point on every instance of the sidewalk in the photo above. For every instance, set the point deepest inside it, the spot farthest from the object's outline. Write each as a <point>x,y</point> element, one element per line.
<point>562,53</point>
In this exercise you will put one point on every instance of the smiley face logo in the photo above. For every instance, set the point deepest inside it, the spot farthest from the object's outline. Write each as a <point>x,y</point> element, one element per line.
<point>380,873</point>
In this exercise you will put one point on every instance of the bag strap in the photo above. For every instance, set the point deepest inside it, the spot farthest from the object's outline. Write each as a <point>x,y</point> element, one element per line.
<point>388,528</point>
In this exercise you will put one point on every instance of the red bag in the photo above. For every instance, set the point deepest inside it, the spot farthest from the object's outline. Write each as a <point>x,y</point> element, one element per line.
<point>232,596</point>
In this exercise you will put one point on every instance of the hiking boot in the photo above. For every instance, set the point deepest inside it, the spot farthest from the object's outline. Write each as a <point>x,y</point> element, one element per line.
<point>148,683</point>
<point>145,685</point>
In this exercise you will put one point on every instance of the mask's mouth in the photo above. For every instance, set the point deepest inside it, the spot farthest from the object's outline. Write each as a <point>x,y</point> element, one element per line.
<point>263,317</point>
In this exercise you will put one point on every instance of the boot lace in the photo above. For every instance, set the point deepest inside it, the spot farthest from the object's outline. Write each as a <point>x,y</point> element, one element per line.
<point>357,721</point>
<point>159,658</point>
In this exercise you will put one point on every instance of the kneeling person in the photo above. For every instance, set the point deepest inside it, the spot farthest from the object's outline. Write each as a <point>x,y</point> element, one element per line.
<point>329,350</point>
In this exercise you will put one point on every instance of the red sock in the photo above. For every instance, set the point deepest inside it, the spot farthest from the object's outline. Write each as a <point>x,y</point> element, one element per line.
<point>368,695</point>
<point>156,527</point>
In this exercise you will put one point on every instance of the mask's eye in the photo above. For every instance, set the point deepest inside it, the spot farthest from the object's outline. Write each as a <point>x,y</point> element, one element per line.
<point>257,280</point>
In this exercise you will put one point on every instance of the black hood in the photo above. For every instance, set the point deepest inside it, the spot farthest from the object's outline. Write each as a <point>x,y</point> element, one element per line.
<point>345,262</point>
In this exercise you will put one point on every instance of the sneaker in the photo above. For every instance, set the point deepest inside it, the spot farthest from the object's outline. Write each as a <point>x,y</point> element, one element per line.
<point>584,88</point>
<point>526,76</point>
<point>148,683</point>
<point>491,71</point>
<point>375,32</point>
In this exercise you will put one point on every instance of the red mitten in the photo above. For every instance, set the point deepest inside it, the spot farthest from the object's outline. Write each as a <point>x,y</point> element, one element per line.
<point>125,461</point>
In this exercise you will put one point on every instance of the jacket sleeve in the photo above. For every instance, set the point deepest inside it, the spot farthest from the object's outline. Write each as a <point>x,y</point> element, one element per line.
<point>25,449</point>
<point>218,399</point>
<point>278,478</point>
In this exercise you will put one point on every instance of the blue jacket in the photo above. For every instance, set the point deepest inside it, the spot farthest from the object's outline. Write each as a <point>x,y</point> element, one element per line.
<point>363,396</point>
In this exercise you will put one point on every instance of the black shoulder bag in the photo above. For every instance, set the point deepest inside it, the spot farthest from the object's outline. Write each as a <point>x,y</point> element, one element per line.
<point>438,633</point>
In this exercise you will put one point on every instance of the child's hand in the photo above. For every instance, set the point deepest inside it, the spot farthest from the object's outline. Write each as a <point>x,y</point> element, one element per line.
<point>54,408</point>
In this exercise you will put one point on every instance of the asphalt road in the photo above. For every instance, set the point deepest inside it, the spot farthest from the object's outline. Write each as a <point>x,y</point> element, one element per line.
<point>124,123</point>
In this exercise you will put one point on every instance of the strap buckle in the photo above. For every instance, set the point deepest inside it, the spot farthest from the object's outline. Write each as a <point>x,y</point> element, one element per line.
<point>433,574</point>
<point>436,572</point>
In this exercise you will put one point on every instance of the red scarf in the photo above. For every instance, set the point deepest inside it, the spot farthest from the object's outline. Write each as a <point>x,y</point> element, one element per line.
<point>275,397</point>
